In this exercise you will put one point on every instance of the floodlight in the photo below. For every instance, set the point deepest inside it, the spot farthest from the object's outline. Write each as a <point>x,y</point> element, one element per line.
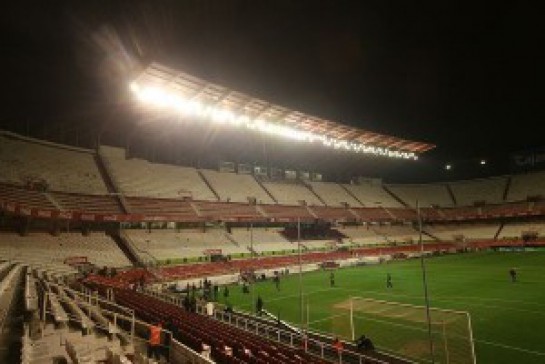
<point>164,98</point>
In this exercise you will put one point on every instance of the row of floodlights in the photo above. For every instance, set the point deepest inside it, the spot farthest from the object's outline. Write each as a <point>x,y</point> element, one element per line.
<point>448,167</point>
<point>159,97</point>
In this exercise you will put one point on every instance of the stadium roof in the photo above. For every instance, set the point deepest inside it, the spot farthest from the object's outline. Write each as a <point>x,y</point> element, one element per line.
<point>196,89</point>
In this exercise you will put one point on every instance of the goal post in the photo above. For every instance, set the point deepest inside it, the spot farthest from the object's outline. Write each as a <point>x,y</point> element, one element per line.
<point>402,329</point>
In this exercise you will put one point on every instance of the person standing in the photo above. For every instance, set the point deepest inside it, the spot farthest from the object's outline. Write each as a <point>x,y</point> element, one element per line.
<point>277,281</point>
<point>154,341</point>
<point>389,281</point>
<point>513,274</point>
<point>259,305</point>
<point>332,279</point>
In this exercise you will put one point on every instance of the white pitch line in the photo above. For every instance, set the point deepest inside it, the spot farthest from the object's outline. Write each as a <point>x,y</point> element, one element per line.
<point>516,348</point>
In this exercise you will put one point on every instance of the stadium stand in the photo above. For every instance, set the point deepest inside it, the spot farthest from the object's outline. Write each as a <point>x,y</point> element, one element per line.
<point>510,209</point>
<point>426,194</point>
<point>333,194</point>
<point>376,214</point>
<point>152,206</point>
<point>37,248</point>
<point>25,197</point>
<point>463,233</point>
<point>172,245</point>
<point>236,187</point>
<point>292,193</point>
<point>259,236</point>
<point>26,162</point>
<point>227,211</point>
<point>229,344</point>
<point>88,203</point>
<point>515,231</point>
<point>285,213</point>
<point>333,213</point>
<point>488,190</point>
<point>140,178</point>
<point>372,194</point>
<point>362,235</point>
<point>527,185</point>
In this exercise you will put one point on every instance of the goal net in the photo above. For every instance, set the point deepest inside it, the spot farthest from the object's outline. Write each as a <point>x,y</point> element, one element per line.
<point>402,329</point>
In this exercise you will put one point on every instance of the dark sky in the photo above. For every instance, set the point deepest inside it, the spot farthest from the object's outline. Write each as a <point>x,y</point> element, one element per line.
<point>467,77</point>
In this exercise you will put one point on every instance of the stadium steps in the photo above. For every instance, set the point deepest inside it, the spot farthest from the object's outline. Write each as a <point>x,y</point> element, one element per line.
<point>351,195</point>
<point>109,181</point>
<point>52,201</point>
<point>428,234</point>
<point>314,193</point>
<point>394,196</point>
<point>209,185</point>
<point>261,211</point>
<point>195,208</point>
<point>354,213</point>
<point>500,228</point>
<point>392,215</point>
<point>507,188</point>
<point>126,247</point>
<point>312,213</point>
<point>11,309</point>
<point>265,189</point>
<point>231,239</point>
<point>451,194</point>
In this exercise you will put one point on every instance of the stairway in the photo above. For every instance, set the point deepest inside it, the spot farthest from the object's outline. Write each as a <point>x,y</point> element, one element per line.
<point>351,194</point>
<point>314,193</point>
<point>507,188</point>
<point>208,184</point>
<point>231,239</point>
<point>312,213</point>
<point>126,247</point>
<point>499,231</point>
<point>394,196</point>
<point>265,189</point>
<point>111,185</point>
<point>53,201</point>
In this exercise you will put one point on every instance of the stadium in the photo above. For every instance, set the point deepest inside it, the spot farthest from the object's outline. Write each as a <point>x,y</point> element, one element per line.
<point>244,233</point>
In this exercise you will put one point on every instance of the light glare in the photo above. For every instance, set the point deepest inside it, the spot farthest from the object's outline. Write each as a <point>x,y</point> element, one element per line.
<point>160,98</point>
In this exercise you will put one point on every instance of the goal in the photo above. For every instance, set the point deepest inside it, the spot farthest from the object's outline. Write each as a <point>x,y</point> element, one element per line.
<point>402,329</point>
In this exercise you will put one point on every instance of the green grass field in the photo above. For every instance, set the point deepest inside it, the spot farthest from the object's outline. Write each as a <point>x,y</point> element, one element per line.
<point>508,318</point>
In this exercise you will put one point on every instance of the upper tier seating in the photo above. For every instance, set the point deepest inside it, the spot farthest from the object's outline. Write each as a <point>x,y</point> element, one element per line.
<point>526,185</point>
<point>333,213</point>
<point>291,193</point>
<point>333,194</point>
<point>37,248</point>
<point>236,187</point>
<point>372,214</point>
<point>227,211</point>
<point>510,209</point>
<point>25,197</point>
<point>138,177</point>
<point>88,203</point>
<point>460,213</point>
<point>161,206</point>
<point>489,190</point>
<point>425,194</point>
<point>280,212</point>
<point>62,168</point>
<point>372,194</point>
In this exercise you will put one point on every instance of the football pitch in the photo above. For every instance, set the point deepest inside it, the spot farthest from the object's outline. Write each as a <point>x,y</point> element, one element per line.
<point>508,319</point>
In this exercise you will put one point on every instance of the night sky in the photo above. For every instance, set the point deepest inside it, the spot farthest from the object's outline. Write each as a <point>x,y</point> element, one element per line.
<point>468,78</point>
